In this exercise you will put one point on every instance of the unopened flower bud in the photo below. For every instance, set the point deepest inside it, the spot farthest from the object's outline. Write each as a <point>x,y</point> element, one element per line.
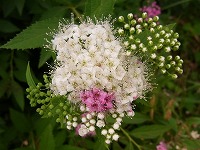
<point>130,16</point>
<point>121,19</point>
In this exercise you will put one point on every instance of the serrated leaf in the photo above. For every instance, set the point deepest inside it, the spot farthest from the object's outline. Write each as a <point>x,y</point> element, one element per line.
<point>18,94</point>
<point>149,131</point>
<point>98,8</point>
<point>7,26</point>
<point>34,36</point>
<point>29,78</point>
<point>20,5</point>
<point>20,121</point>
<point>44,56</point>
<point>47,139</point>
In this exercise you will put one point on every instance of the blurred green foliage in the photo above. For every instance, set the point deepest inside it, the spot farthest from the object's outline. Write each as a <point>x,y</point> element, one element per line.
<point>170,115</point>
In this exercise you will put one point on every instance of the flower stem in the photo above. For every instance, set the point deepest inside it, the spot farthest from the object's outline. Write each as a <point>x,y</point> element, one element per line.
<point>130,139</point>
<point>78,15</point>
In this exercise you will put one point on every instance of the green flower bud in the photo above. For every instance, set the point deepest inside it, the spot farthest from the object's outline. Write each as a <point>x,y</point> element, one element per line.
<point>131,37</point>
<point>157,35</point>
<point>58,111</point>
<point>132,30</point>
<point>41,112</point>
<point>177,58</point>
<point>120,31</point>
<point>180,71</point>
<point>155,18</point>
<point>169,57</point>
<point>152,30</point>
<point>49,114</point>
<point>175,48</point>
<point>150,20</point>
<point>168,66</point>
<point>173,63</point>
<point>145,25</point>
<point>140,20</point>
<point>153,56</point>
<point>163,71</point>
<point>133,22</point>
<point>130,16</point>
<point>133,46</point>
<point>121,19</point>
<point>144,15</point>
<point>58,120</point>
<point>61,104</point>
<point>159,27</point>
<point>162,32</point>
<point>176,35</point>
<point>127,26</point>
<point>153,24</point>
<point>51,106</point>
<point>138,31</point>
<point>64,113</point>
<point>150,43</point>
<point>137,41</point>
<point>155,48</point>
<point>167,49</point>
<point>160,46</point>
<point>174,76</point>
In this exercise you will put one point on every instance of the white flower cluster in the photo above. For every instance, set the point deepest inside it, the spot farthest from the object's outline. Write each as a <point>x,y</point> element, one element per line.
<point>90,56</point>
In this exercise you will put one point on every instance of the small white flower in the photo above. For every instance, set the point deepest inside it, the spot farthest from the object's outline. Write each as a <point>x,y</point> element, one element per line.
<point>104,132</point>
<point>111,131</point>
<point>100,116</point>
<point>195,134</point>
<point>92,128</point>
<point>107,141</point>
<point>100,123</point>
<point>115,137</point>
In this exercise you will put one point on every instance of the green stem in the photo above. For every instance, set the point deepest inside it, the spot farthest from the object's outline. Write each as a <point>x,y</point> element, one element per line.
<point>130,139</point>
<point>78,15</point>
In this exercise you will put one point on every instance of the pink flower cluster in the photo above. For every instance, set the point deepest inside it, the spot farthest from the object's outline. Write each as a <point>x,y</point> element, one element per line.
<point>152,10</point>
<point>97,100</point>
<point>161,146</point>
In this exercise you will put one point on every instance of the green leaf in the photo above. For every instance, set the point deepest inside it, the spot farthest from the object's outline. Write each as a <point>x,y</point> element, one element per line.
<point>60,137</point>
<point>192,144</point>
<point>58,12</point>
<point>149,131</point>
<point>4,84</point>
<point>18,93</point>
<point>193,121</point>
<point>20,121</point>
<point>7,26</point>
<point>47,139</point>
<point>137,119</point>
<point>44,56</point>
<point>69,147</point>
<point>98,8</point>
<point>29,77</point>
<point>34,36</point>
<point>129,146</point>
<point>20,5</point>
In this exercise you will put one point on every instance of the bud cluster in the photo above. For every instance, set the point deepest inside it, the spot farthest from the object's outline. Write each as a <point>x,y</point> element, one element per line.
<point>147,39</point>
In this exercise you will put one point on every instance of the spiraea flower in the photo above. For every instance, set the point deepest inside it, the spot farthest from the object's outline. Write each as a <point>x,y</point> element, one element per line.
<point>100,71</point>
